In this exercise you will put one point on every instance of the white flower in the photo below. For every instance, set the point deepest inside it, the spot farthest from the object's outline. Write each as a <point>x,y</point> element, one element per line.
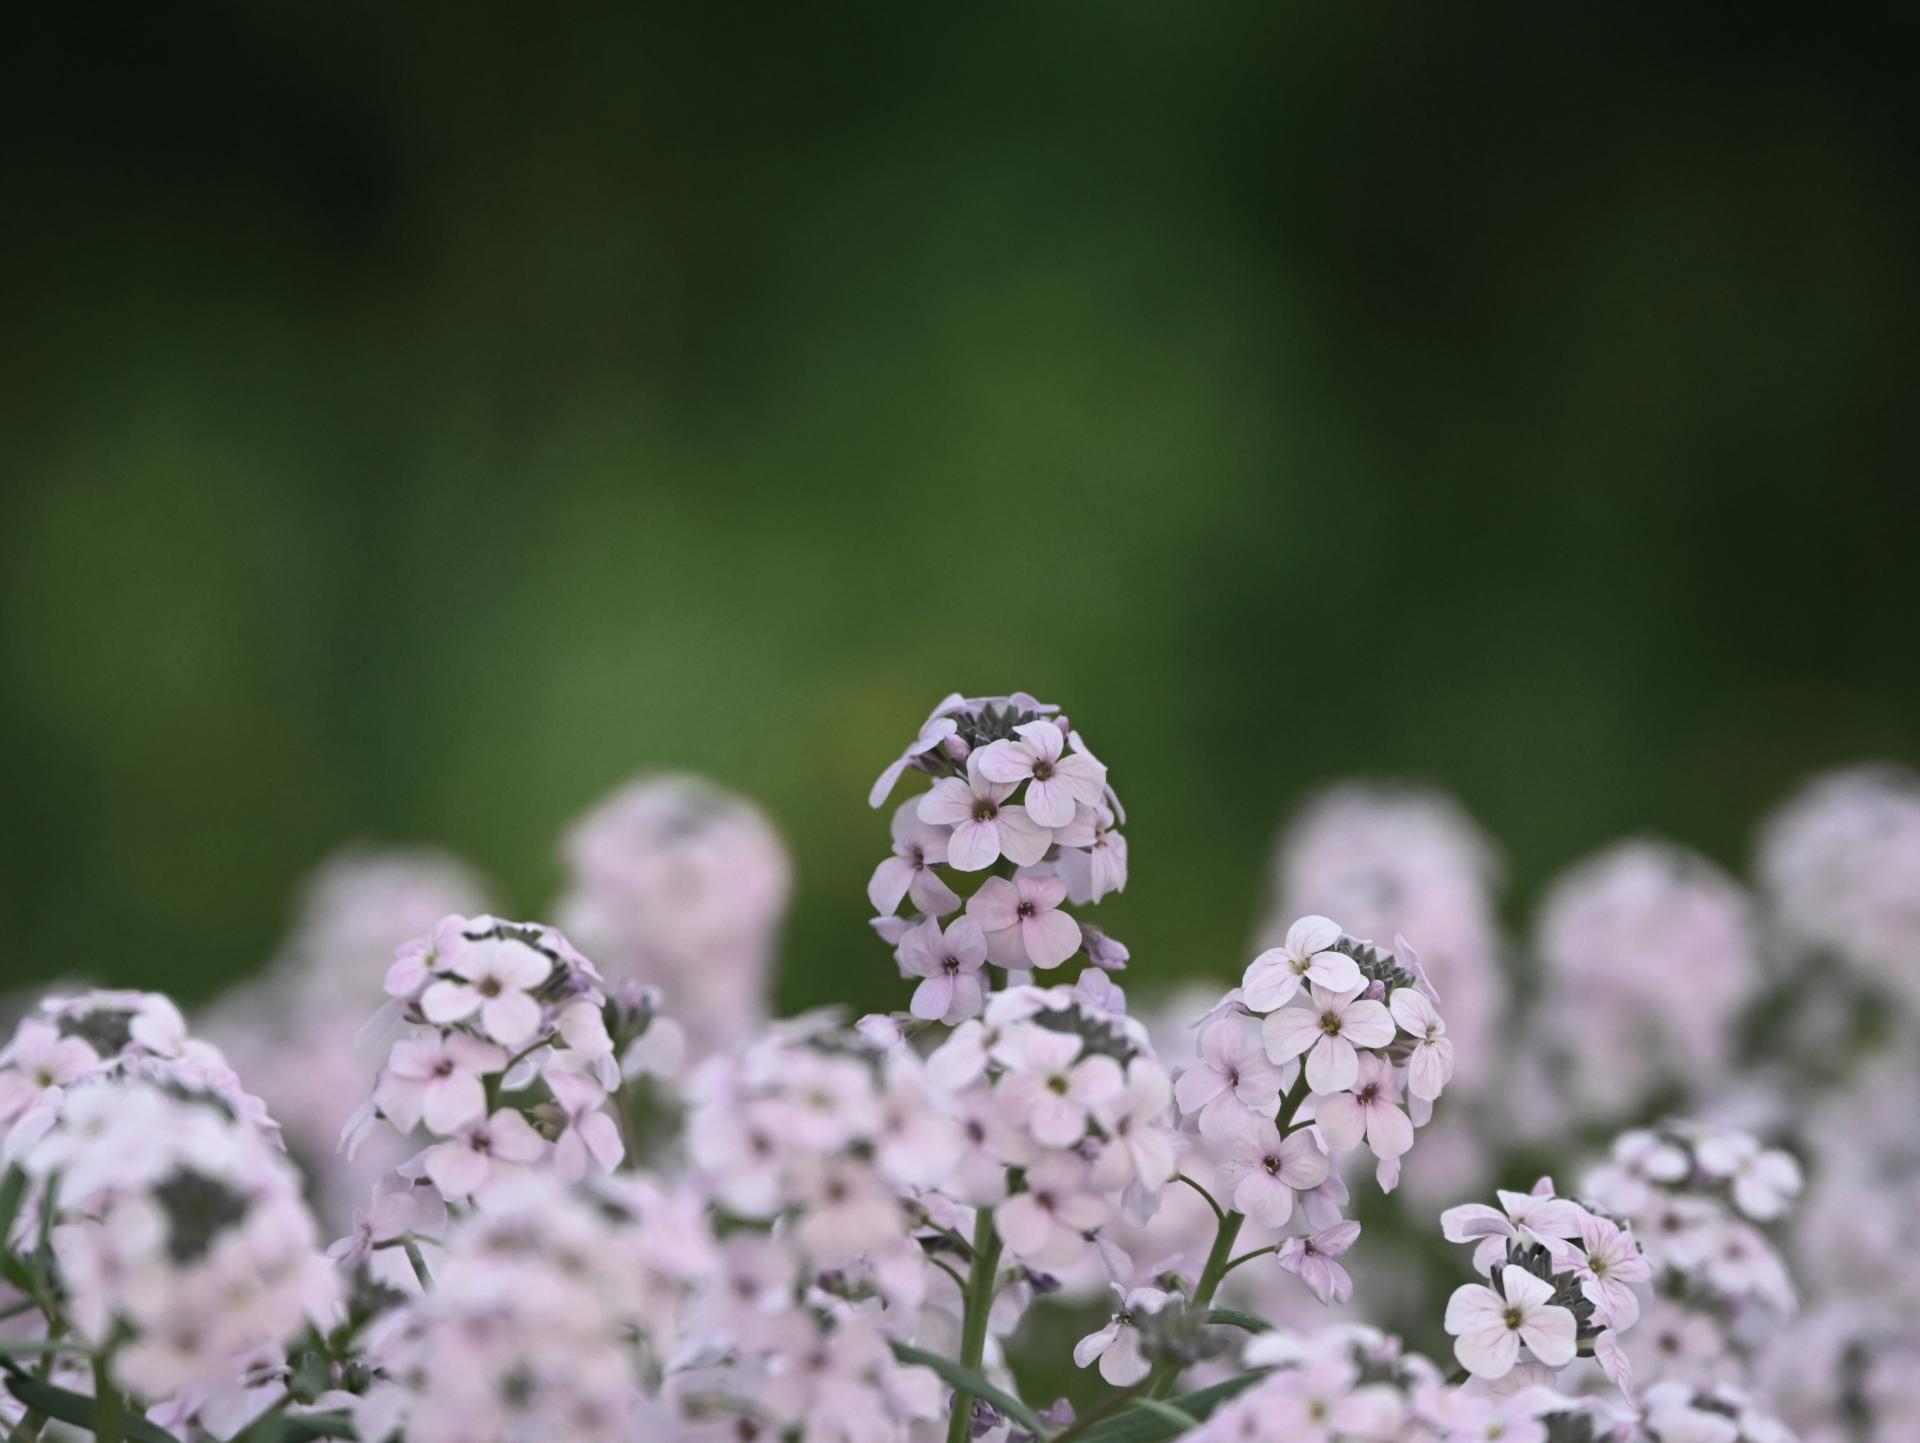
<point>1536,1217</point>
<point>1139,1155</point>
<point>492,976</point>
<point>39,1062</point>
<point>1093,856</point>
<point>1276,976</point>
<point>1489,1328</point>
<point>949,963</point>
<point>465,1163</point>
<point>985,826</point>
<point>1051,1089</point>
<point>918,847</point>
<point>1264,1170</point>
<point>1312,1256</point>
<point>1231,1076</point>
<point>1023,923</point>
<point>1765,1181</point>
<point>1607,1261</point>
<point>1117,1345</point>
<point>1047,1225</point>
<point>1055,783</point>
<point>1430,1066</point>
<point>1328,1031</point>
<point>1371,1110</point>
<point>435,1077</point>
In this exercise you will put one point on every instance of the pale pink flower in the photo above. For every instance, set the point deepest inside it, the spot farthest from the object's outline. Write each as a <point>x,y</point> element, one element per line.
<point>589,1139</point>
<point>473,1157</point>
<point>936,729</point>
<point>1312,1258</point>
<point>918,847</point>
<point>1607,1262</point>
<point>492,976</point>
<point>1536,1217</point>
<point>435,1077</point>
<point>1263,1170</point>
<point>1489,1328</point>
<point>1055,782</point>
<point>1765,1181</point>
<point>1371,1110</point>
<point>1139,1156</point>
<point>1093,856</point>
<point>1328,1031</point>
<point>1051,1090</point>
<point>986,827</point>
<point>1430,1065</point>
<point>1023,921</point>
<point>1117,1345</point>
<point>1275,977</point>
<point>1047,1225</point>
<point>949,964</point>
<point>1231,1076</point>
<point>39,1062</point>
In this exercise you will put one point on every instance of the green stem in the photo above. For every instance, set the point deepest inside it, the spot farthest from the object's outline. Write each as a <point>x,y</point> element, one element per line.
<point>1249,1256</point>
<point>1220,1260</point>
<point>973,1319</point>
<point>108,1411</point>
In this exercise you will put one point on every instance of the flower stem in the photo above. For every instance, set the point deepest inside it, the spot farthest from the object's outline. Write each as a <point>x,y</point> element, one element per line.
<point>109,1420</point>
<point>973,1322</point>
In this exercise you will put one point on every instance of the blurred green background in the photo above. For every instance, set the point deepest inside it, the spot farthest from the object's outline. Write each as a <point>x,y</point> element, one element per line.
<point>417,418</point>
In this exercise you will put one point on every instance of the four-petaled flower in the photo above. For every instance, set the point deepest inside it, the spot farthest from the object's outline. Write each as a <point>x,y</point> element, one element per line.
<point>1023,921</point>
<point>1328,1031</point>
<point>986,827</point>
<point>949,965</point>
<point>492,976</point>
<point>1489,1327</point>
<point>918,847</point>
<point>1232,1076</point>
<point>1056,783</point>
<point>1313,1256</point>
<point>1264,1169</point>
<point>1275,977</point>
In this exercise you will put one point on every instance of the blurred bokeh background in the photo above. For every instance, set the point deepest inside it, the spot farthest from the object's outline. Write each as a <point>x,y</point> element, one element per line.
<point>417,419</point>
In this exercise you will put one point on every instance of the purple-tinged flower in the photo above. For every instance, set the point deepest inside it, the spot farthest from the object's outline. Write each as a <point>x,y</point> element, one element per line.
<point>1328,1031</point>
<point>949,963</point>
<point>1056,782</point>
<point>1275,977</point>
<point>1232,1076</point>
<point>986,827</point>
<point>918,847</point>
<point>1313,1258</point>
<point>1489,1327</point>
<point>1263,1170</point>
<point>1023,922</point>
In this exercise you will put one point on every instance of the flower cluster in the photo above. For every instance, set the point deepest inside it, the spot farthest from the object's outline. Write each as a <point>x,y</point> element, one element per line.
<point>553,1312</point>
<point>1341,1385</point>
<point>677,884</point>
<point>1697,1199</point>
<point>1560,1284</point>
<point>506,1059</point>
<point>181,1241</point>
<point>1021,815</point>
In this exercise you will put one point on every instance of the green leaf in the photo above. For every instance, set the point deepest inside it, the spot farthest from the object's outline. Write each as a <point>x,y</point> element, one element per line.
<point>1232,1318</point>
<point>35,1347</point>
<point>13,1190</point>
<point>77,1409</point>
<point>972,1382</point>
<point>1146,1425</point>
<point>1167,1411</point>
<point>300,1427</point>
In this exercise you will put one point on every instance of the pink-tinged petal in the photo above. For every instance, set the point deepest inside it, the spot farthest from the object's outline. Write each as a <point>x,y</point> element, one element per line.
<point>1473,1307</point>
<point>1197,1086</point>
<point>1474,1220</point>
<point>1302,1164</point>
<point>1523,1289</point>
<point>995,907</point>
<point>1613,1361</point>
<point>1366,1023</point>
<point>1056,1122</point>
<point>1024,1224</point>
<point>602,1135</point>
<point>883,784</point>
<point>1488,1254</point>
<point>1008,948</point>
<point>1041,891</point>
<point>515,963</point>
<point>1337,1239</point>
<point>949,802</point>
<point>1003,762</point>
<point>1549,1334</point>
<point>1289,1032</point>
<point>1312,934</point>
<point>1389,1133</point>
<point>1042,739</point>
<point>1335,971</point>
<point>966,941</point>
<point>1412,1010</point>
<point>974,846</point>
<point>930,894</point>
<point>448,1001</point>
<point>932,998</point>
<point>1050,938</point>
<point>514,1138</point>
<point>889,884</point>
<point>1094,1344</point>
<point>1429,1069</point>
<point>1269,981</point>
<point>1024,840</point>
<point>1342,1120</point>
<point>455,1168</point>
<point>1332,1065</point>
<point>1096,1081</point>
<point>450,1102</point>
<point>1051,803</point>
<point>1488,1352</point>
<point>969,996</point>
<point>511,1018</point>
<point>1264,1198</point>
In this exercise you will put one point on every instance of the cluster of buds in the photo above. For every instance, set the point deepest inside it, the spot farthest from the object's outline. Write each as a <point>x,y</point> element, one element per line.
<point>506,1059</point>
<point>180,1240</point>
<point>1019,814</point>
<point>1560,1284</point>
